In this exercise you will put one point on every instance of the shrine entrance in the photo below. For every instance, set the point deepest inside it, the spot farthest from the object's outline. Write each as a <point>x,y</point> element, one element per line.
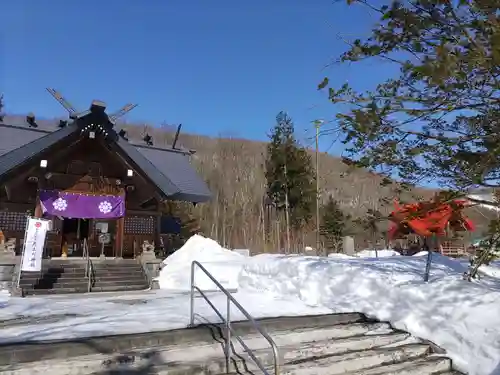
<point>73,232</point>
<point>104,242</point>
<point>86,217</point>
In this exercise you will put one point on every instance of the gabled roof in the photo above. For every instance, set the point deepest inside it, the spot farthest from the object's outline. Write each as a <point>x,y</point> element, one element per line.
<point>180,172</point>
<point>170,170</point>
<point>30,149</point>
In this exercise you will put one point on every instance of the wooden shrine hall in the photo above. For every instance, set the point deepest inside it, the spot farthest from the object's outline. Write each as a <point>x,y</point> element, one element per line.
<point>89,179</point>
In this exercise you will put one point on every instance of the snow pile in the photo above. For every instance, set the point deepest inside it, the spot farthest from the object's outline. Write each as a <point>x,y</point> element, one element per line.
<point>379,253</point>
<point>420,254</point>
<point>459,264</point>
<point>488,197</point>
<point>4,298</point>
<point>492,269</point>
<point>224,264</point>
<point>339,255</point>
<point>244,252</point>
<point>461,317</point>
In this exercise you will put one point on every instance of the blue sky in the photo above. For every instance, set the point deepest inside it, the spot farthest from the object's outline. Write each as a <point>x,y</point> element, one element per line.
<point>218,67</point>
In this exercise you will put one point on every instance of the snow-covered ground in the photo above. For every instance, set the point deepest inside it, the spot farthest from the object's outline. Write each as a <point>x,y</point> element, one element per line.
<point>487,197</point>
<point>377,254</point>
<point>461,317</point>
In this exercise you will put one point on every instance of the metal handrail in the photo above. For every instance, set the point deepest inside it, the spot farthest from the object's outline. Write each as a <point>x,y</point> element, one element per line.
<point>89,268</point>
<point>227,322</point>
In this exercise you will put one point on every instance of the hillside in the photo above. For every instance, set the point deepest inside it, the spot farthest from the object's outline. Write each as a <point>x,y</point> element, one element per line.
<point>234,170</point>
<point>236,217</point>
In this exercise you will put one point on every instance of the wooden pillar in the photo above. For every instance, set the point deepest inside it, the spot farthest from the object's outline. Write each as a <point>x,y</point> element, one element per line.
<point>158,232</point>
<point>159,212</point>
<point>120,227</point>
<point>38,209</point>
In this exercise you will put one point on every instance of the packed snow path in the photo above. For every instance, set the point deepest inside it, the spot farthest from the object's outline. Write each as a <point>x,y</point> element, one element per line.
<point>311,345</point>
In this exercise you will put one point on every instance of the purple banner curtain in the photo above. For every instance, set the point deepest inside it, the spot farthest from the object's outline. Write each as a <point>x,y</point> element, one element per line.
<point>81,206</point>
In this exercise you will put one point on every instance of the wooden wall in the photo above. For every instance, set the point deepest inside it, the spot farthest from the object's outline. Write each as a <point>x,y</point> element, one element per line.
<point>88,167</point>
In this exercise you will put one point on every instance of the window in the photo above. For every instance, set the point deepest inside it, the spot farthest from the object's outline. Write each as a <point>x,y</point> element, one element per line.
<point>139,225</point>
<point>14,221</point>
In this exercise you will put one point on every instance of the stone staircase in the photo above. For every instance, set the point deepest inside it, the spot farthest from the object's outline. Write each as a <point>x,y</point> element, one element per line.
<point>68,276</point>
<point>345,344</point>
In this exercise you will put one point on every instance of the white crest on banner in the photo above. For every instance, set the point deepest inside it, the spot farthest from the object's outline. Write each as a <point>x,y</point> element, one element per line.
<point>34,242</point>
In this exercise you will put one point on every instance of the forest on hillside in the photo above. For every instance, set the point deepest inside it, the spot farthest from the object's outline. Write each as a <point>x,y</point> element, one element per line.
<point>234,168</point>
<point>238,216</point>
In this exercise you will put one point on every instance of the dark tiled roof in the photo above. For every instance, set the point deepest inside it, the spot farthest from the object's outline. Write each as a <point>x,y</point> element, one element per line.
<point>43,125</point>
<point>30,148</point>
<point>178,169</point>
<point>170,170</point>
<point>151,170</point>
<point>15,137</point>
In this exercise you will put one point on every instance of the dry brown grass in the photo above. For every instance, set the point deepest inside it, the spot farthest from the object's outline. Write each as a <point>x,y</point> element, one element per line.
<point>234,170</point>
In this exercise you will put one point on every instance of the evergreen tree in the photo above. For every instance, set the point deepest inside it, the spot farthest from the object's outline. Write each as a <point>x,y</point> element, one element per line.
<point>438,119</point>
<point>334,224</point>
<point>289,171</point>
<point>188,223</point>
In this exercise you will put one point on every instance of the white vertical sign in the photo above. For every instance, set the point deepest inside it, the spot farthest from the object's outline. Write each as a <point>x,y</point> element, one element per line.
<point>34,242</point>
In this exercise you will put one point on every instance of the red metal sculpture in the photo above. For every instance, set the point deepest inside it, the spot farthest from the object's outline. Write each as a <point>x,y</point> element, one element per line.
<point>428,218</point>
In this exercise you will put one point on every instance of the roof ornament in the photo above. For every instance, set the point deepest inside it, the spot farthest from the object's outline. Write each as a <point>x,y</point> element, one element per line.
<point>148,139</point>
<point>67,106</point>
<point>176,137</point>
<point>123,133</point>
<point>31,120</point>
<point>120,113</point>
<point>98,119</point>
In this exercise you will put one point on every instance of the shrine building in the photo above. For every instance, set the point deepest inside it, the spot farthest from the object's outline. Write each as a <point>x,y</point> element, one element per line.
<point>85,175</point>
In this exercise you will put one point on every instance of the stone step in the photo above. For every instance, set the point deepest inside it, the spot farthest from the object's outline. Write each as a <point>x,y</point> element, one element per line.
<point>80,266</point>
<point>119,282</point>
<point>119,272</point>
<point>317,326</point>
<point>77,275</point>
<point>116,265</point>
<point>430,365</point>
<point>84,283</point>
<point>71,278</point>
<point>83,289</point>
<point>65,267</point>
<point>354,362</point>
<point>74,284</point>
<point>79,260</point>
<point>119,288</point>
<point>420,366</point>
<point>42,292</point>
<point>209,359</point>
<point>334,356</point>
<point>55,271</point>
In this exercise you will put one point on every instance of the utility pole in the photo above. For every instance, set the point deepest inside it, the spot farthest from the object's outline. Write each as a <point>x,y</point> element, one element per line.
<point>317,125</point>
<point>287,214</point>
